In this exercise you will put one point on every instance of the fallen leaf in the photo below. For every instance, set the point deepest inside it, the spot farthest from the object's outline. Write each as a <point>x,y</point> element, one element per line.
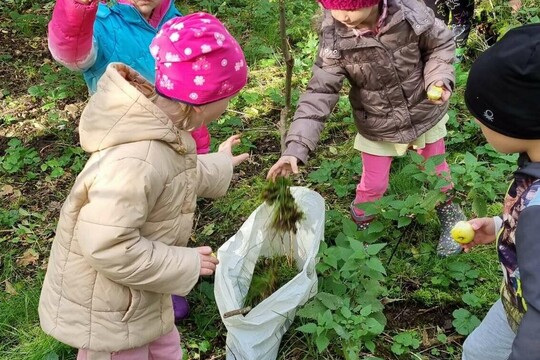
<point>6,190</point>
<point>30,256</point>
<point>10,289</point>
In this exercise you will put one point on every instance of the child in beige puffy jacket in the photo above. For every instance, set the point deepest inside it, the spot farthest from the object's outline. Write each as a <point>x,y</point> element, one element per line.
<point>120,246</point>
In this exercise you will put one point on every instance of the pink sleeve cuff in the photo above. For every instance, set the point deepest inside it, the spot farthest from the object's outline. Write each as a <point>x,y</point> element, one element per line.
<point>71,31</point>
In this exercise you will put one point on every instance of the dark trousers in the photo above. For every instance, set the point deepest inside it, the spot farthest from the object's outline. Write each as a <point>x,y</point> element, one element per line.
<point>456,13</point>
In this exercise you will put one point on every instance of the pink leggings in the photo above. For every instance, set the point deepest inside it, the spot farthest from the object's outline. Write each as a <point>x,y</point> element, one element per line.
<point>166,347</point>
<point>376,170</point>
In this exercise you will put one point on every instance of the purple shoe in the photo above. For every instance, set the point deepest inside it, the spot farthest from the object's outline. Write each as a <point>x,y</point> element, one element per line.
<point>180,308</point>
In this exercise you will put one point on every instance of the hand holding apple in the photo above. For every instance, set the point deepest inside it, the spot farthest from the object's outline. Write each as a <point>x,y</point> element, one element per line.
<point>484,232</point>
<point>438,93</point>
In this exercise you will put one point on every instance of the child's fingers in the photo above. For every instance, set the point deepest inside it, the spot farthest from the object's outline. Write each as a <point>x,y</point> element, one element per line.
<point>285,172</point>
<point>207,272</point>
<point>479,223</point>
<point>208,265</point>
<point>235,139</point>
<point>275,170</point>
<point>238,159</point>
<point>294,166</point>
<point>445,95</point>
<point>204,250</point>
<point>210,261</point>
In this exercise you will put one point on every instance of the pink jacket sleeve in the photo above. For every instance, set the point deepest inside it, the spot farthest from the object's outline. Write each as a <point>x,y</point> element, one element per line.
<point>70,33</point>
<point>202,139</point>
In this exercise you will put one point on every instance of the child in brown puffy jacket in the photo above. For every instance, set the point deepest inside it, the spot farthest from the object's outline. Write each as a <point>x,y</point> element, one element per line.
<point>391,52</point>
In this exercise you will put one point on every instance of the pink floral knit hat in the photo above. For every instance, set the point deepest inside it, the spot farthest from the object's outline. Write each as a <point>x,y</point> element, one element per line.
<point>347,4</point>
<point>197,60</point>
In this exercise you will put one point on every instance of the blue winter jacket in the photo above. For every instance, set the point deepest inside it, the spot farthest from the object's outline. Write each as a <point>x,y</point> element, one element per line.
<point>127,44</point>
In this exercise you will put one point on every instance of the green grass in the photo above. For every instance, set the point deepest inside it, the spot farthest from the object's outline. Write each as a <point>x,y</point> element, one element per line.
<point>20,336</point>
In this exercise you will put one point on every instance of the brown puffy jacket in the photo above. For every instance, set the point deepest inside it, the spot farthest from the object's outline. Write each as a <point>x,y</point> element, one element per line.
<point>119,250</point>
<point>388,73</point>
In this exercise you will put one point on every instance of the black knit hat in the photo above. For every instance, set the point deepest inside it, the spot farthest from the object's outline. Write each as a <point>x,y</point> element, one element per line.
<point>503,88</point>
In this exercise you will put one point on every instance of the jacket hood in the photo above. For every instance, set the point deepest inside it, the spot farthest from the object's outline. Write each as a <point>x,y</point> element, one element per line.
<point>527,167</point>
<point>119,113</point>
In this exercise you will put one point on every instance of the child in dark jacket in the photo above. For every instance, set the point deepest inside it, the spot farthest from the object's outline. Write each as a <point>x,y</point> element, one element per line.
<point>502,93</point>
<point>391,52</point>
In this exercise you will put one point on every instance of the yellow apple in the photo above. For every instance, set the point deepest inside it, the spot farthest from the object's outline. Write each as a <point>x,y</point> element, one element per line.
<point>462,232</point>
<point>435,92</point>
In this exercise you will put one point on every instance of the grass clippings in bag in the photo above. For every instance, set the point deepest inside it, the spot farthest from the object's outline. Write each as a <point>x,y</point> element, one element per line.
<point>286,212</point>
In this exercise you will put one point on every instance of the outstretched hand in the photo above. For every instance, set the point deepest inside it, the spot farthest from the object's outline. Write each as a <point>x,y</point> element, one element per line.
<point>283,167</point>
<point>445,93</point>
<point>484,232</point>
<point>208,261</point>
<point>227,146</point>
<point>515,5</point>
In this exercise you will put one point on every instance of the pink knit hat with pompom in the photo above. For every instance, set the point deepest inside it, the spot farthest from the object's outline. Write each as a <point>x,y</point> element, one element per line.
<point>197,60</point>
<point>347,4</point>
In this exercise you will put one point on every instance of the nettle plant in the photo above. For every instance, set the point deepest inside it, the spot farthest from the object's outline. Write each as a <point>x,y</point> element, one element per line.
<point>72,158</point>
<point>23,161</point>
<point>18,157</point>
<point>479,178</point>
<point>406,341</point>
<point>418,205</point>
<point>338,175</point>
<point>58,83</point>
<point>476,180</point>
<point>347,306</point>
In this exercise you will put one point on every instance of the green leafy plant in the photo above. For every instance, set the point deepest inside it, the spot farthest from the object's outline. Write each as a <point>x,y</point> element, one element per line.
<point>58,83</point>
<point>18,157</point>
<point>348,304</point>
<point>72,157</point>
<point>464,322</point>
<point>463,273</point>
<point>29,23</point>
<point>404,342</point>
<point>337,175</point>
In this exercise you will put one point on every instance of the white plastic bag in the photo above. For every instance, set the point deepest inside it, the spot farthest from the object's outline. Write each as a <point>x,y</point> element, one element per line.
<point>257,335</point>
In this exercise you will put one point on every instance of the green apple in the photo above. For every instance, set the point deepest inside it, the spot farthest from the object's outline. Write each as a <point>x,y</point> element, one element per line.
<point>435,93</point>
<point>462,232</point>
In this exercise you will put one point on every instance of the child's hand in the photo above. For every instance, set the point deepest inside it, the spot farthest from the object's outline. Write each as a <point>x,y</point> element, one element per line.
<point>283,167</point>
<point>484,232</point>
<point>208,260</point>
<point>515,5</point>
<point>227,146</point>
<point>445,92</point>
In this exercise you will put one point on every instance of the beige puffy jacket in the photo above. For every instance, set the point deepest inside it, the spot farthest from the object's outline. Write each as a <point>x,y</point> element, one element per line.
<point>119,250</point>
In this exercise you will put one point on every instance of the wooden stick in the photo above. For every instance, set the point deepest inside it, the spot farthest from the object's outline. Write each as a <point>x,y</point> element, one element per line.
<point>241,311</point>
